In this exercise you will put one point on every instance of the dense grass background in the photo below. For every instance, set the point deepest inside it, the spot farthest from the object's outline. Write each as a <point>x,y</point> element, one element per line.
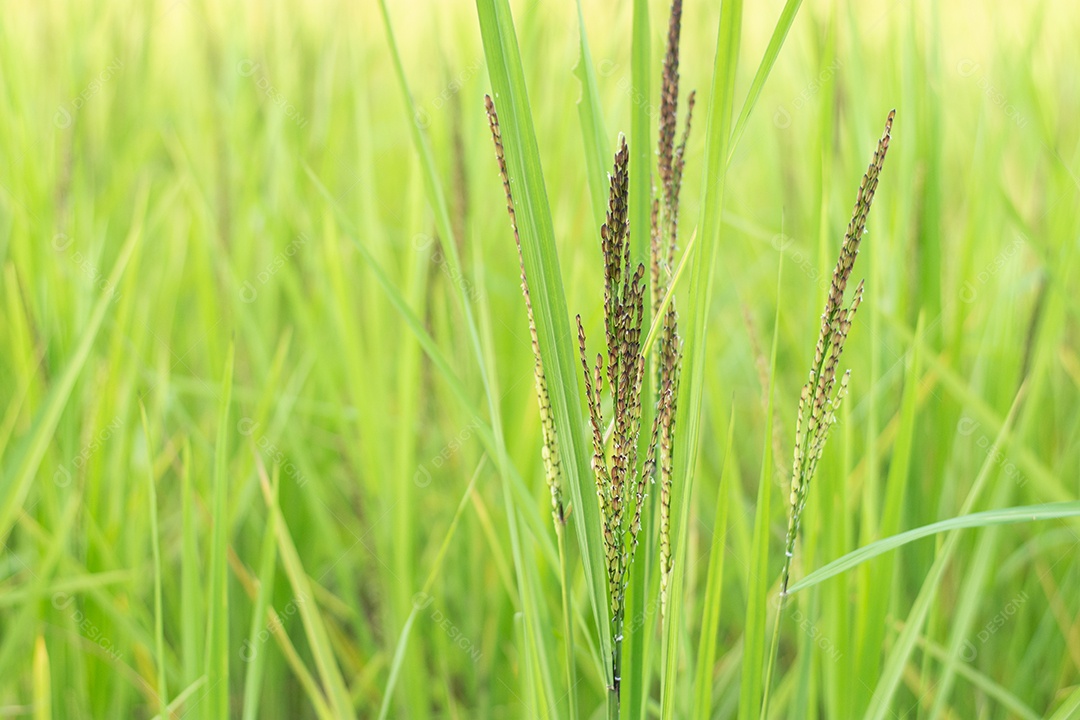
<point>167,247</point>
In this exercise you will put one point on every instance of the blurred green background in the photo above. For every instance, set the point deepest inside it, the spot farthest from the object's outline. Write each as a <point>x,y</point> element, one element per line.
<point>160,204</point>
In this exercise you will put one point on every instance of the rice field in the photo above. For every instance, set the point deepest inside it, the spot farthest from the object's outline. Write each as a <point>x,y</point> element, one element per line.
<point>281,436</point>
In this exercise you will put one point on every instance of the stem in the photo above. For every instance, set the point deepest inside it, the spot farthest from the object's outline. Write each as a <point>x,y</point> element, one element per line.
<point>616,667</point>
<point>568,627</point>
<point>774,645</point>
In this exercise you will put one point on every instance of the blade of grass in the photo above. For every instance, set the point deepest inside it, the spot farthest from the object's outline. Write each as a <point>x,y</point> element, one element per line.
<point>714,585</point>
<point>484,430</point>
<point>180,699</point>
<point>537,623</point>
<point>191,611</point>
<point>15,485</point>
<point>986,518</point>
<point>970,593</point>
<point>155,545</point>
<point>274,623</point>
<point>217,623</point>
<point>41,681</point>
<point>1070,709</point>
<point>898,657</point>
<point>980,681</point>
<point>772,52</point>
<point>754,689</point>
<point>267,565</point>
<point>641,139</point>
<point>437,199</point>
<point>591,118</point>
<point>873,612</point>
<point>640,213</point>
<point>314,628</point>
<point>549,300</point>
<point>436,567</point>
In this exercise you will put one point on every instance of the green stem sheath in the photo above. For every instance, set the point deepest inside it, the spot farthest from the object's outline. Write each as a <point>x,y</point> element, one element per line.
<point>568,625</point>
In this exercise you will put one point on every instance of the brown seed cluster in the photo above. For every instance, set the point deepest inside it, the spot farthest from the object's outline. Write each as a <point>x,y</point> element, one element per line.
<point>620,483</point>
<point>550,451</point>
<point>821,396</point>
<point>617,375</point>
<point>664,243</point>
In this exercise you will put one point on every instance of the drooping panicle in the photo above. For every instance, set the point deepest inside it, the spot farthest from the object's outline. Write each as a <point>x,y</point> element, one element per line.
<point>550,450</point>
<point>621,481</point>
<point>821,396</point>
<point>665,234</point>
<point>669,100</point>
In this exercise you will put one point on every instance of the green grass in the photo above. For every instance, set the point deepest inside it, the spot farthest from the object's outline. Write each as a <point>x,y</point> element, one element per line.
<point>279,232</point>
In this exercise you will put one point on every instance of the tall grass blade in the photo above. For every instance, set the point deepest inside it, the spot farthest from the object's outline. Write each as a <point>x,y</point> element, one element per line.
<point>714,586</point>
<point>772,52</point>
<point>155,546</point>
<point>217,622</point>
<point>42,683</point>
<point>549,299</point>
<point>1006,516</point>
<point>591,118</point>
<point>15,483</point>
<point>253,675</point>
<point>421,597</point>
<point>752,699</point>
<point>314,628</point>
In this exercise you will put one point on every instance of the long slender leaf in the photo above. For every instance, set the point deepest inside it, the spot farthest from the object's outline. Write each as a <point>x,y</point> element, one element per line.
<point>548,296</point>
<point>714,585</point>
<point>15,485</point>
<point>217,624</point>
<point>772,52</point>
<point>591,118</point>
<point>1006,516</point>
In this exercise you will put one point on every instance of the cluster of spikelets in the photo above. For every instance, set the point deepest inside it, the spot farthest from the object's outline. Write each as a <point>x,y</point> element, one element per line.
<point>664,242</point>
<point>550,450</point>
<point>621,482</point>
<point>821,396</point>
<point>622,486</point>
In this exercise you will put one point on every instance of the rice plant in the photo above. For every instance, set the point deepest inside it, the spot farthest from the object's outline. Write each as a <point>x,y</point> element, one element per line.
<point>293,426</point>
<point>550,449</point>
<point>821,397</point>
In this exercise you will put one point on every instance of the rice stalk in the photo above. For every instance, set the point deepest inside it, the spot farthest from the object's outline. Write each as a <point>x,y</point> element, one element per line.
<point>821,396</point>
<point>665,230</point>
<point>620,483</point>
